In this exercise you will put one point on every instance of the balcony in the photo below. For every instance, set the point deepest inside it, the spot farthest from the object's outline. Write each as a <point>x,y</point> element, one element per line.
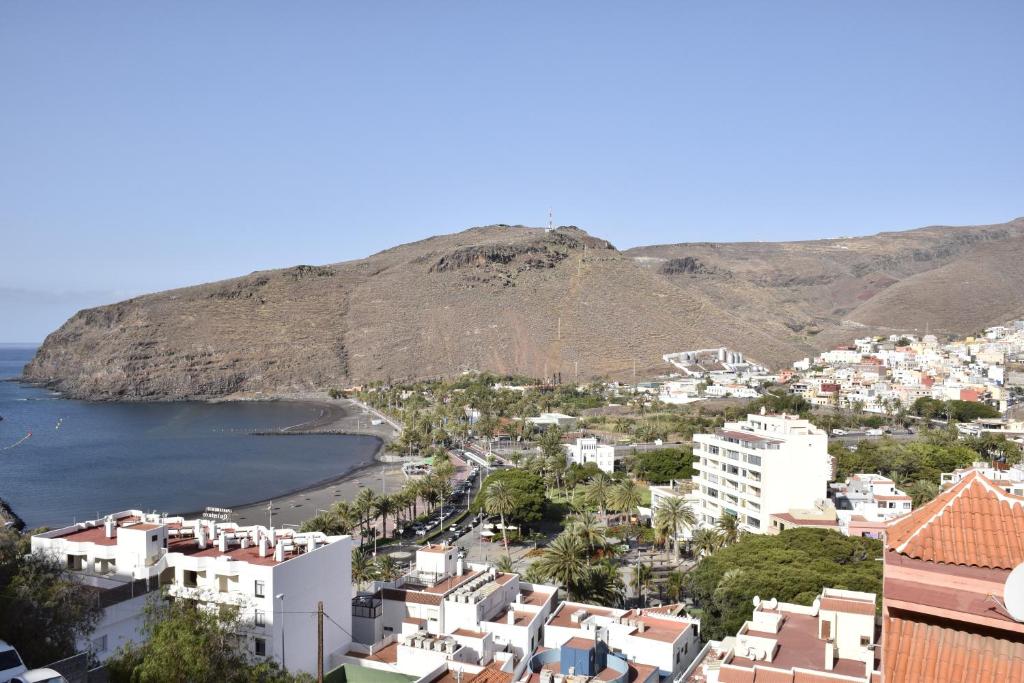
<point>207,594</point>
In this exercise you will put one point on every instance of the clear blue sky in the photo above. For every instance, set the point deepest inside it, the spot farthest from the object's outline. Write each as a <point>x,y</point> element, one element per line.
<point>152,145</point>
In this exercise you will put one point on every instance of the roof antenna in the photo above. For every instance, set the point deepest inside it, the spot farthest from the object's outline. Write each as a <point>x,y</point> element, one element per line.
<point>551,220</point>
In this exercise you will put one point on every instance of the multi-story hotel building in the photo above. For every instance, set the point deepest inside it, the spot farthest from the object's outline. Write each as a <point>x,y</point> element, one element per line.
<point>762,465</point>
<point>275,577</point>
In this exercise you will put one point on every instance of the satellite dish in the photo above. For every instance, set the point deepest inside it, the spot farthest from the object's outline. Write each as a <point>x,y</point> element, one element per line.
<point>757,601</point>
<point>1013,593</point>
<point>815,607</point>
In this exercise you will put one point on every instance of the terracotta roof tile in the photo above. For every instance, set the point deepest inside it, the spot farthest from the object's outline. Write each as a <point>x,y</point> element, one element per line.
<point>848,606</point>
<point>411,596</point>
<point>914,652</point>
<point>974,523</point>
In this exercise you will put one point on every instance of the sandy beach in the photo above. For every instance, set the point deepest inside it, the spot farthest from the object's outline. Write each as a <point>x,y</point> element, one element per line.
<point>336,417</point>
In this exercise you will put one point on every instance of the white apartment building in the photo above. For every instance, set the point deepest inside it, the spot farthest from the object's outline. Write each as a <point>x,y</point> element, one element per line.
<point>587,449</point>
<point>468,612</point>
<point>275,577</point>
<point>866,503</point>
<point>764,464</point>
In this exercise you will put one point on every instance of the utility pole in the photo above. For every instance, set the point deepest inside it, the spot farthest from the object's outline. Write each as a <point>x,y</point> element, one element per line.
<point>320,642</point>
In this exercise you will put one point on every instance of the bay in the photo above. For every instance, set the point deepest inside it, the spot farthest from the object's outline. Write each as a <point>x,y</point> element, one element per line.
<point>86,458</point>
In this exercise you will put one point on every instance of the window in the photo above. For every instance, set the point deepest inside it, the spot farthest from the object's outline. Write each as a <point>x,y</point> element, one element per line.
<point>258,589</point>
<point>153,538</point>
<point>259,618</point>
<point>71,561</point>
<point>190,578</point>
<point>99,644</point>
<point>260,647</point>
<point>864,641</point>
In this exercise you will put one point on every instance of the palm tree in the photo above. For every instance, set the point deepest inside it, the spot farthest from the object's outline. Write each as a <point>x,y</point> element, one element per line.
<point>705,542</point>
<point>596,492</point>
<point>564,561</point>
<point>589,529</point>
<point>345,516</point>
<point>602,585</point>
<point>365,506</point>
<point>625,497</point>
<point>671,516</point>
<point>384,506</point>
<point>643,577</point>
<point>387,569</point>
<point>729,528</point>
<point>363,568</point>
<point>505,565</point>
<point>674,585</point>
<point>499,501</point>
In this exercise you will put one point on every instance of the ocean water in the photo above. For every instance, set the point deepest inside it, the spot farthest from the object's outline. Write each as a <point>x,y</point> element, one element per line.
<point>84,458</point>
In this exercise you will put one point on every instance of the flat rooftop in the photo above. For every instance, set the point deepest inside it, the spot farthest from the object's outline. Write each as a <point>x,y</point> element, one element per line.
<point>798,647</point>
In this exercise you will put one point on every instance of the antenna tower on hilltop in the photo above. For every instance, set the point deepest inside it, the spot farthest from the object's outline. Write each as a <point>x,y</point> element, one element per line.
<point>551,220</point>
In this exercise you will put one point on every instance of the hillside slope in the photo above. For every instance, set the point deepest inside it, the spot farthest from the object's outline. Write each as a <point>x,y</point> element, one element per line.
<point>513,299</point>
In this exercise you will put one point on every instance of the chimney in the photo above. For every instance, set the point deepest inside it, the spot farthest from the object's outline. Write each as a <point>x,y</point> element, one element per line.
<point>830,658</point>
<point>279,552</point>
<point>222,542</point>
<point>201,538</point>
<point>245,542</point>
<point>519,598</point>
<point>263,546</point>
<point>511,617</point>
<point>460,567</point>
<point>109,527</point>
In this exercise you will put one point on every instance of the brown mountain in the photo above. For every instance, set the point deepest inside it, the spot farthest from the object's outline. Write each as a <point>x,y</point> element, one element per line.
<point>514,299</point>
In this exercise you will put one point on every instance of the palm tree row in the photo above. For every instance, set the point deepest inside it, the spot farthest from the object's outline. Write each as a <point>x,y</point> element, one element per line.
<point>344,517</point>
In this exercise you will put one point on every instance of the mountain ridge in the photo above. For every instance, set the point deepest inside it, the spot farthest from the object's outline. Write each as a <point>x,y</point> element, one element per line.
<point>527,300</point>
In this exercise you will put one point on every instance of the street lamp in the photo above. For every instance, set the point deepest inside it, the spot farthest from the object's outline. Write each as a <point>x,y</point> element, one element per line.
<point>280,596</point>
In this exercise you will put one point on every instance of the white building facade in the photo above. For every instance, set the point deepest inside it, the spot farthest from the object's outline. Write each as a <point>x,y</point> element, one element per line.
<point>587,449</point>
<point>275,577</point>
<point>764,464</point>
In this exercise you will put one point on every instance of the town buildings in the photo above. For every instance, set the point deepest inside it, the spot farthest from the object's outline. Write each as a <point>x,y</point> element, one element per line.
<point>833,639</point>
<point>866,503</point>
<point>944,609</point>
<point>884,375</point>
<point>275,577</point>
<point>445,609</point>
<point>761,465</point>
<point>661,640</point>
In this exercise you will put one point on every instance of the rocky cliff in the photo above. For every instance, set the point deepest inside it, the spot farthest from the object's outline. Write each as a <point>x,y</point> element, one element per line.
<point>515,299</point>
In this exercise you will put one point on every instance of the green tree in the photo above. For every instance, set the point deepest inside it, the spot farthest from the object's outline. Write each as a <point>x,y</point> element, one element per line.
<point>564,561</point>
<point>527,492</point>
<point>625,497</point>
<point>183,643</point>
<point>363,568</point>
<point>597,492</point>
<point>499,501</point>
<point>792,566</point>
<point>663,465</point>
<point>672,516</point>
<point>728,528</point>
<point>386,569</point>
<point>44,611</point>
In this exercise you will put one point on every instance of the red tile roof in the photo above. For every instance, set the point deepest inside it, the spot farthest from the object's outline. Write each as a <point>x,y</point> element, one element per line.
<point>974,523</point>
<point>417,597</point>
<point>914,652</point>
<point>848,606</point>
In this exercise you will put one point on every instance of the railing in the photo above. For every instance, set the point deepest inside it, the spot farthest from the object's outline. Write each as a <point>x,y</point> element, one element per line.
<point>127,591</point>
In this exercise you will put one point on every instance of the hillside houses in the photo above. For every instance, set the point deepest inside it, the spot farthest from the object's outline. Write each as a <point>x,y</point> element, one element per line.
<point>881,375</point>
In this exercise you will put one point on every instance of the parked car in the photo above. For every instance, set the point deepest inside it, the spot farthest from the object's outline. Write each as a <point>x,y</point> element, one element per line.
<point>874,432</point>
<point>838,432</point>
